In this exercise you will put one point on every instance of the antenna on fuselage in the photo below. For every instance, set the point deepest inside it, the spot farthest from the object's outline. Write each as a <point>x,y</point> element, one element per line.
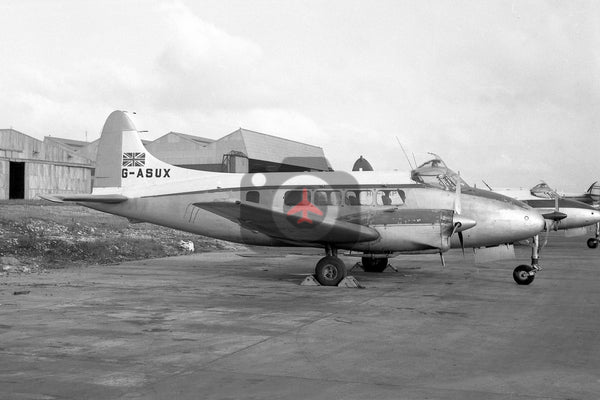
<point>406,155</point>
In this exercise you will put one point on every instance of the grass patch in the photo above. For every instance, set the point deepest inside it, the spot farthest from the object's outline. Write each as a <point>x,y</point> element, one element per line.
<point>53,236</point>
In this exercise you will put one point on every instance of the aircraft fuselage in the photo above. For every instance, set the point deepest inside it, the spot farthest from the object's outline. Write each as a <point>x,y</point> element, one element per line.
<point>401,223</point>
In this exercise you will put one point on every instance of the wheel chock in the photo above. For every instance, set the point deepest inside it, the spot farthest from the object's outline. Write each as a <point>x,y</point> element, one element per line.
<point>310,281</point>
<point>350,282</point>
<point>347,282</point>
<point>357,265</point>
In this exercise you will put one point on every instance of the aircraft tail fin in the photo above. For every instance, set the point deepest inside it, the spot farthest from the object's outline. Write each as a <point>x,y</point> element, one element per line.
<point>122,161</point>
<point>108,159</point>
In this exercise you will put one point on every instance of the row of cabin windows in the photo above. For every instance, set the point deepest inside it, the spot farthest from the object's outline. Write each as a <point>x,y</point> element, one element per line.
<point>391,197</point>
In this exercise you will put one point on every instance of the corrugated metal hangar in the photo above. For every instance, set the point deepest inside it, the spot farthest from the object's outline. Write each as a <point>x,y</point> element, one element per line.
<point>240,151</point>
<point>30,167</point>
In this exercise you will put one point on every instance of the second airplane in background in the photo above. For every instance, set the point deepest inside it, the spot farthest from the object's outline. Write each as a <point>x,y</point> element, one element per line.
<point>559,213</point>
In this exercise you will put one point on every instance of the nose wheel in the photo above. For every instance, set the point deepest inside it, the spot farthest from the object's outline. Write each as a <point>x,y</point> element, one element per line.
<point>525,274</point>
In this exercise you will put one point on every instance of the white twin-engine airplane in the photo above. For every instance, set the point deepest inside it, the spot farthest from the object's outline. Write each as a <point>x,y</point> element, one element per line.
<point>379,214</point>
<point>571,213</point>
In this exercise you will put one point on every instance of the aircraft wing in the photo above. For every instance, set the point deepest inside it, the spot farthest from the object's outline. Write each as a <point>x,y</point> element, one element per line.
<point>86,198</point>
<point>287,227</point>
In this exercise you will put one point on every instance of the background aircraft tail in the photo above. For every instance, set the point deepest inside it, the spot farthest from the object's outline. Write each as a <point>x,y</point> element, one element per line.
<point>123,162</point>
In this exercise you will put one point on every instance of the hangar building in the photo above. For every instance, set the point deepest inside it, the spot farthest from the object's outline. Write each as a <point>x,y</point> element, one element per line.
<point>240,151</point>
<point>30,167</point>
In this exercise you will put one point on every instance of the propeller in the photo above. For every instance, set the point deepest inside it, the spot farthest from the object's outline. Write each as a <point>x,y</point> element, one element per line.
<point>460,222</point>
<point>555,216</point>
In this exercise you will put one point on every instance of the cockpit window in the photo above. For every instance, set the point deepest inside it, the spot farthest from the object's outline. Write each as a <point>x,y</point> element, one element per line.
<point>435,163</point>
<point>437,174</point>
<point>544,191</point>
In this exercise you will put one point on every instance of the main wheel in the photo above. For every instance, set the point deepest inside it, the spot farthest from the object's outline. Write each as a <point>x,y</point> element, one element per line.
<point>330,271</point>
<point>374,264</point>
<point>592,243</point>
<point>521,275</point>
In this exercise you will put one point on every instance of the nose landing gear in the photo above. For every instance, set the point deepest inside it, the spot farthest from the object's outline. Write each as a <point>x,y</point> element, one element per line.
<point>593,242</point>
<point>524,274</point>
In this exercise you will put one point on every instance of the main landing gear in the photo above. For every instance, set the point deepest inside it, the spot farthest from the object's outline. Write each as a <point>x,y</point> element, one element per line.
<point>330,270</point>
<point>524,274</point>
<point>593,242</point>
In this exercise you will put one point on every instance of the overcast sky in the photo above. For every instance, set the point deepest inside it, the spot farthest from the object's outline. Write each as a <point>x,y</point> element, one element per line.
<point>508,92</point>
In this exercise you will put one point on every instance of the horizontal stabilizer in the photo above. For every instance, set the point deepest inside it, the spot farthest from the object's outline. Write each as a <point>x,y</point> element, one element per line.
<point>290,227</point>
<point>86,198</point>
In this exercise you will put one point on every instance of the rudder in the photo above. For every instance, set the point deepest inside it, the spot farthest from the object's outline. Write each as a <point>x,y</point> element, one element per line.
<point>109,156</point>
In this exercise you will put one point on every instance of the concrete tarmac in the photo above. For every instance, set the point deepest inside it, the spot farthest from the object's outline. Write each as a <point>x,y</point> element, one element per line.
<point>231,326</point>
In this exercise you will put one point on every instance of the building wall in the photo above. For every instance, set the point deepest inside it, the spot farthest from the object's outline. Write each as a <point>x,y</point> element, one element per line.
<point>4,179</point>
<point>48,167</point>
<point>51,178</point>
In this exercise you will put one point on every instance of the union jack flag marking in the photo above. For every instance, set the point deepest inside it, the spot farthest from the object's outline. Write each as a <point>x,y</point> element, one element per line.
<point>134,159</point>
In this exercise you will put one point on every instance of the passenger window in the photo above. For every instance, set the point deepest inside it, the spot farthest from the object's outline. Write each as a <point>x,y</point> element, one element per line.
<point>294,197</point>
<point>366,197</point>
<point>328,198</point>
<point>253,196</point>
<point>335,198</point>
<point>320,198</point>
<point>390,197</point>
<point>351,198</point>
<point>359,197</point>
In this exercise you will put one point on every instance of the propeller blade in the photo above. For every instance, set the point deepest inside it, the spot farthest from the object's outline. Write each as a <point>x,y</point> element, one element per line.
<point>457,205</point>
<point>462,242</point>
<point>545,242</point>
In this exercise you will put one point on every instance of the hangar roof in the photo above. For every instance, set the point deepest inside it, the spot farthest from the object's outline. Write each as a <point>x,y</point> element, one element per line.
<point>18,145</point>
<point>197,139</point>
<point>260,146</point>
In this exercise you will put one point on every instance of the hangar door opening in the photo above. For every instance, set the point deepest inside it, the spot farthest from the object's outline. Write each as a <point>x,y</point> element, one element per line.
<point>16,183</point>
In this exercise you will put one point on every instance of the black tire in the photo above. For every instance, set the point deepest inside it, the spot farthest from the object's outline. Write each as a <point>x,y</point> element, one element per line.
<point>521,275</point>
<point>330,271</point>
<point>374,264</point>
<point>592,243</point>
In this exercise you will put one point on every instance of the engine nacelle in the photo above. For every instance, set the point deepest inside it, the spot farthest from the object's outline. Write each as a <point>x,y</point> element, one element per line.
<point>410,230</point>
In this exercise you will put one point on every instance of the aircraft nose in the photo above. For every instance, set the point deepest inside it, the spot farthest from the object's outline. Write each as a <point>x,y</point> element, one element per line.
<point>534,222</point>
<point>595,217</point>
